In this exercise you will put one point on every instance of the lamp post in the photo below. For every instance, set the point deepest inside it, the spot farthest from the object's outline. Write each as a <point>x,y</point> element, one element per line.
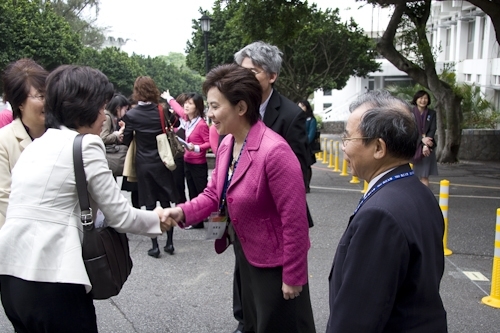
<point>205,27</point>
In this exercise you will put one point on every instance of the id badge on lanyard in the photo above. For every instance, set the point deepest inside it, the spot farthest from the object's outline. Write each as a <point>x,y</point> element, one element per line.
<point>216,225</point>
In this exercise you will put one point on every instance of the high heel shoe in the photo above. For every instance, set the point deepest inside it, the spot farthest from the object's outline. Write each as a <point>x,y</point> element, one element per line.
<point>169,248</point>
<point>155,251</point>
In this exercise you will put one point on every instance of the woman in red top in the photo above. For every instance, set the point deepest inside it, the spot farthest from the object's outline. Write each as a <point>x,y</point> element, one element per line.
<point>196,128</point>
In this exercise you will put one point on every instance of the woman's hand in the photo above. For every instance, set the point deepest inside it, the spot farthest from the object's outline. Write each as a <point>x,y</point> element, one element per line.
<point>119,135</point>
<point>190,147</point>
<point>174,213</point>
<point>428,141</point>
<point>426,151</point>
<point>166,95</point>
<point>290,292</point>
<point>166,222</point>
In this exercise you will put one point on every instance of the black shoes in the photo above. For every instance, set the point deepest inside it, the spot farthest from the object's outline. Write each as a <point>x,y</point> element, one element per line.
<point>169,248</point>
<point>154,252</point>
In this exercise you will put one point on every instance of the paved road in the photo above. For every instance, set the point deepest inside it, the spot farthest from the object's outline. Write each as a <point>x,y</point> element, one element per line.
<point>191,290</point>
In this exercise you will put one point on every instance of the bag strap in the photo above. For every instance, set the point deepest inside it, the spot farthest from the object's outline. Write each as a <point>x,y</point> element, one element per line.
<point>163,119</point>
<point>81,184</point>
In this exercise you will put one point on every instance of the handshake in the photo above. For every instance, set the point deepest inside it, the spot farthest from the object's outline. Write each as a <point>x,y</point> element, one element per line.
<point>169,217</point>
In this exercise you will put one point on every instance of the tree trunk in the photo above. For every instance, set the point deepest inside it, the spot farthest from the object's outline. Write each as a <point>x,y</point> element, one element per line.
<point>449,109</point>
<point>448,103</point>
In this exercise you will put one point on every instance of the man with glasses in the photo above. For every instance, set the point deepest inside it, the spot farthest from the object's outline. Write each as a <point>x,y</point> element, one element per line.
<point>389,262</point>
<point>279,114</point>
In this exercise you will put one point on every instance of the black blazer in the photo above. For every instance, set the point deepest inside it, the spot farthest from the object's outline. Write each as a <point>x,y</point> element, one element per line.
<point>430,126</point>
<point>389,263</point>
<point>288,120</point>
<point>145,121</point>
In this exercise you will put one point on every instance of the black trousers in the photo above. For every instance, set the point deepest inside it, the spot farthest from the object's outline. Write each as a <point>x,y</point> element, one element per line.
<point>43,307</point>
<point>179,176</point>
<point>264,308</point>
<point>196,179</point>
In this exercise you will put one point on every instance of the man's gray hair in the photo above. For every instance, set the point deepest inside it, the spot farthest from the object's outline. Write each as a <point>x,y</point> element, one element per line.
<point>390,119</point>
<point>379,99</point>
<point>262,54</point>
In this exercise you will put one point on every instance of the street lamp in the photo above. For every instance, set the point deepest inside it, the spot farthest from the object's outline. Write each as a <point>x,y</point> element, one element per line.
<point>205,27</point>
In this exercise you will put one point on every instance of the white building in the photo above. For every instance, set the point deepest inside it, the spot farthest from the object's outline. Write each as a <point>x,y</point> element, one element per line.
<point>467,39</point>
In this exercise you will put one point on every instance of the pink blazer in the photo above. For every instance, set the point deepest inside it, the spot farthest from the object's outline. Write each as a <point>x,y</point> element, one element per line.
<point>199,136</point>
<point>266,202</point>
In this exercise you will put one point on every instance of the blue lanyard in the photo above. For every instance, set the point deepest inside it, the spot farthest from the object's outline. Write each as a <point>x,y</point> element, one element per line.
<point>229,177</point>
<point>380,185</point>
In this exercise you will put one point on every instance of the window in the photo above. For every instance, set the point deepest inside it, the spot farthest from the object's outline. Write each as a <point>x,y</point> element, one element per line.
<point>481,37</point>
<point>496,80</point>
<point>478,78</point>
<point>447,44</point>
<point>467,77</point>
<point>470,39</point>
<point>326,106</point>
<point>327,92</point>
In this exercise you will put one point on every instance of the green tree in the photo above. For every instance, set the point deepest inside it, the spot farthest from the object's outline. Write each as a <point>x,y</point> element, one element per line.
<point>319,51</point>
<point>174,58</point>
<point>416,58</point>
<point>224,38</point>
<point>168,76</point>
<point>29,29</point>
<point>120,69</point>
<point>71,10</point>
<point>490,7</point>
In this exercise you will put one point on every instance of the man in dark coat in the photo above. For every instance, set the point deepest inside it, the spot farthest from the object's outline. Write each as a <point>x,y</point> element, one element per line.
<point>389,262</point>
<point>279,114</point>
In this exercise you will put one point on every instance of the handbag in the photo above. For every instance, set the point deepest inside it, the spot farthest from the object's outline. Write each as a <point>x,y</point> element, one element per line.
<point>175,145</point>
<point>169,147</point>
<point>115,154</point>
<point>105,251</point>
<point>129,164</point>
<point>316,144</point>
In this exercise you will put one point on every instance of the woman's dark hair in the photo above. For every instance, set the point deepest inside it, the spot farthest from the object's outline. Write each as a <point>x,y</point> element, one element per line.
<point>198,103</point>
<point>145,90</point>
<point>117,102</point>
<point>181,99</point>
<point>75,95</point>
<point>236,84</point>
<point>18,78</point>
<point>419,94</point>
<point>309,110</point>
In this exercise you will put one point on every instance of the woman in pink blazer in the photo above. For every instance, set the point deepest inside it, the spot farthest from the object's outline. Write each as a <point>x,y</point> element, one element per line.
<point>196,129</point>
<point>257,184</point>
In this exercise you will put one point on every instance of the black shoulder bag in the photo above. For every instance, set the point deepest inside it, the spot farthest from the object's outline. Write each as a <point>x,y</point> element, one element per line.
<point>105,251</point>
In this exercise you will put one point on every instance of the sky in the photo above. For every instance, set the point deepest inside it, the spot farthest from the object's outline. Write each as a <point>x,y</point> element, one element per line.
<point>157,27</point>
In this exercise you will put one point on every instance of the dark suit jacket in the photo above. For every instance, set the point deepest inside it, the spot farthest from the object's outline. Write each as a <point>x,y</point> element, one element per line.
<point>288,120</point>
<point>430,125</point>
<point>389,263</point>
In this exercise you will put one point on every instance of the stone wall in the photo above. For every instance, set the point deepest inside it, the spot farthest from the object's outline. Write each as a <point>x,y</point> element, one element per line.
<point>476,145</point>
<point>333,127</point>
<point>480,145</point>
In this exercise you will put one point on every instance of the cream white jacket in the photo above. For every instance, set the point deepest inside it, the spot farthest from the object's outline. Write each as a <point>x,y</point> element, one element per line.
<point>42,236</point>
<point>13,140</point>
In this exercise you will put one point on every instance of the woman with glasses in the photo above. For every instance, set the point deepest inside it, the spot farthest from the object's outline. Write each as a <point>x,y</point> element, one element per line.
<point>24,88</point>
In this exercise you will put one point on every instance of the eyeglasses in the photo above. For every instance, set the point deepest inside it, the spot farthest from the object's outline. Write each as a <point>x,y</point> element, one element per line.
<point>346,139</point>
<point>256,71</point>
<point>38,97</point>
